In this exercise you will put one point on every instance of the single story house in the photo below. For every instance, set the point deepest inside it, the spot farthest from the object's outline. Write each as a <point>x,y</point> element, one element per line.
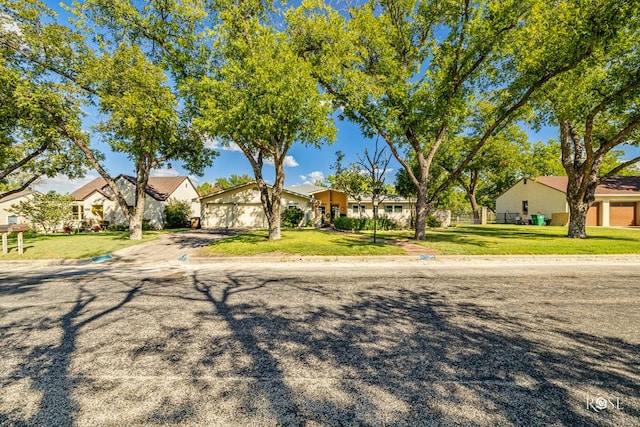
<point>95,202</point>
<point>8,217</point>
<point>241,207</point>
<point>617,201</point>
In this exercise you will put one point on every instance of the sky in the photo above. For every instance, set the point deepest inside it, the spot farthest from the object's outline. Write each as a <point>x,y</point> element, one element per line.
<point>304,165</point>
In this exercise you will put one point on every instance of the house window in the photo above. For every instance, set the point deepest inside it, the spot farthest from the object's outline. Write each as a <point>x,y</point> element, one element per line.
<point>358,208</point>
<point>397,209</point>
<point>77,212</point>
<point>388,208</point>
<point>12,219</point>
<point>525,207</point>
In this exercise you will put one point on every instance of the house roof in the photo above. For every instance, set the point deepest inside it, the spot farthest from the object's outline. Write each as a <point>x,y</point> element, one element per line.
<point>251,184</point>
<point>307,189</point>
<point>17,195</point>
<point>620,185</point>
<point>160,188</point>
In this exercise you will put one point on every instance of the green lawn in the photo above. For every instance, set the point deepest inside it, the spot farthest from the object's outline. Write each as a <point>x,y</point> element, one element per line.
<point>74,246</point>
<point>525,240</point>
<point>300,242</point>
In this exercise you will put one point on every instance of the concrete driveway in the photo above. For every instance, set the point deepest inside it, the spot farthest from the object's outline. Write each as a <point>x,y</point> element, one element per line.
<point>170,247</point>
<point>321,344</point>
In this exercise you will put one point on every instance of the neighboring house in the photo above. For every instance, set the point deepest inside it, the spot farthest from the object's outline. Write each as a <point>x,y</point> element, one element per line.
<point>95,202</point>
<point>241,207</point>
<point>8,217</point>
<point>332,203</point>
<point>617,201</point>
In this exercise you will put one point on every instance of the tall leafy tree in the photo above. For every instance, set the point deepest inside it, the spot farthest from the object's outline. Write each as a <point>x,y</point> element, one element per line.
<point>31,145</point>
<point>415,72</point>
<point>232,181</point>
<point>597,109</point>
<point>261,96</point>
<point>123,80</point>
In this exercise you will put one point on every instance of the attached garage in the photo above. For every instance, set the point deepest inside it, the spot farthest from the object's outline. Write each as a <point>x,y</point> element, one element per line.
<point>593,215</point>
<point>240,207</point>
<point>622,213</point>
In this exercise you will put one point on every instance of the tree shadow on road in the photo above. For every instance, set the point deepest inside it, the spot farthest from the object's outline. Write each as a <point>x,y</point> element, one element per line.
<point>46,366</point>
<point>395,356</point>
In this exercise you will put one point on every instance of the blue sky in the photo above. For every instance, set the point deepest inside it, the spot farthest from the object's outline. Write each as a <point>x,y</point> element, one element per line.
<point>305,164</point>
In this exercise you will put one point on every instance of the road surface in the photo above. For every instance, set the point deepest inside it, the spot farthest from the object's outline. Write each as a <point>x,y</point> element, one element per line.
<point>321,343</point>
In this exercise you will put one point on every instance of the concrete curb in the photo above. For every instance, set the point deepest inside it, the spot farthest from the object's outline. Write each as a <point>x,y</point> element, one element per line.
<point>454,260</point>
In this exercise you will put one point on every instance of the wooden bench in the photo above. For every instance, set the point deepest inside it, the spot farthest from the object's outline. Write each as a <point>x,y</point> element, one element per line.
<point>13,228</point>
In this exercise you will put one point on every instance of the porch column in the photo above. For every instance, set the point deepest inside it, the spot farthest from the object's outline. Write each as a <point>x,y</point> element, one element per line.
<point>605,213</point>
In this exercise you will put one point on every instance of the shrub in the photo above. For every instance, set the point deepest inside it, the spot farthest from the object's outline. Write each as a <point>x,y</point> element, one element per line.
<point>291,217</point>
<point>433,222</point>
<point>176,214</point>
<point>357,224</point>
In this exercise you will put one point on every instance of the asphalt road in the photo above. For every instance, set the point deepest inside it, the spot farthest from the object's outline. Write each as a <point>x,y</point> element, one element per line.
<point>321,344</point>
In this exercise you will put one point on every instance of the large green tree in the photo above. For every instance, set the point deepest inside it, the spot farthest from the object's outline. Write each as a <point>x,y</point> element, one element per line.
<point>123,79</point>
<point>417,72</point>
<point>31,145</point>
<point>261,96</point>
<point>597,109</point>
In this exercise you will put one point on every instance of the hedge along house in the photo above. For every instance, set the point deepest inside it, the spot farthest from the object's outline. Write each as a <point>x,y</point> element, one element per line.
<point>96,204</point>
<point>617,201</point>
<point>240,207</point>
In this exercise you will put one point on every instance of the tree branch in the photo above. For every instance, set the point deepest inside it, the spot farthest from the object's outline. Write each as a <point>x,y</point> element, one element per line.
<point>25,160</point>
<point>618,168</point>
<point>23,187</point>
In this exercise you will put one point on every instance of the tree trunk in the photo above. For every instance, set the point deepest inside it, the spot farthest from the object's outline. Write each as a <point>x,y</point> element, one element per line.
<point>577,219</point>
<point>135,227</point>
<point>135,223</point>
<point>474,208</point>
<point>422,210</point>
<point>274,218</point>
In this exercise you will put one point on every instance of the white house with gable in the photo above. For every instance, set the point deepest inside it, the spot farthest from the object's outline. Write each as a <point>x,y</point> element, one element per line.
<point>96,204</point>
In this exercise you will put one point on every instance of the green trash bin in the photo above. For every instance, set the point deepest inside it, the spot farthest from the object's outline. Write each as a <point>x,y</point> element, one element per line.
<point>538,219</point>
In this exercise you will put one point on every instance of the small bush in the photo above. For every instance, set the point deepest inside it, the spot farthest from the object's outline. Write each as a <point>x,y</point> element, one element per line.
<point>433,222</point>
<point>176,214</point>
<point>291,217</point>
<point>357,224</point>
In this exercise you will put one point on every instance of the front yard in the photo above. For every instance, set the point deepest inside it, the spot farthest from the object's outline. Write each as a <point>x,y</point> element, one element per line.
<point>524,240</point>
<point>307,242</point>
<point>72,246</point>
<point>462,240</point>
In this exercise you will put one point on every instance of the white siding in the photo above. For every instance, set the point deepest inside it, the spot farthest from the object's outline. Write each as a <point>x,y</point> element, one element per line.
<point>541,199</point>
<point>187,192</point>
<point>242,208</point>
<point>5,207</point>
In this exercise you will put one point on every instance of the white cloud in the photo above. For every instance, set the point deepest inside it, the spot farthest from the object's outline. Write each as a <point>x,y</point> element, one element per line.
<point>214,144</point>
<point>62,184</point>
<point>312,177</point>
<point>163,172</point>
<point>289,161</point>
